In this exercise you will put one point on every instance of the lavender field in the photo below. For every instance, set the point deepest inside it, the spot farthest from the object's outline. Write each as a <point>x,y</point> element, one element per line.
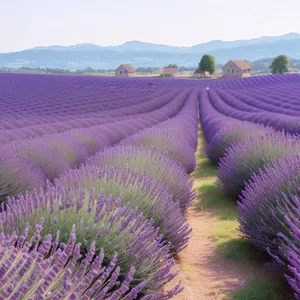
<point>95,178</point>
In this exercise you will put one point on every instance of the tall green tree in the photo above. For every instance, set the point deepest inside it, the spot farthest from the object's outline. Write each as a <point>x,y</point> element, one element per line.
<point>280,64</point>
<point>208,64</point>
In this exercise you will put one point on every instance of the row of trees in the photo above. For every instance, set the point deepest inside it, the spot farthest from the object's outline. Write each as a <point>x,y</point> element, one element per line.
<point>279,65</point>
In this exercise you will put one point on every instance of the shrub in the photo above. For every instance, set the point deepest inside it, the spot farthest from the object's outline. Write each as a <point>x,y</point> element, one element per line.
<point>269,214</point>
<point>244,158</point>
<point>290,247</point>
<point>141,190</point>
<point>166,140</point>
<point>230,134</point>
<point>44,269</point>
<point>153,162</point>
<point>277,182</point>
<point>17,174</point>
<point>49,160</point>
<point>115,228</point>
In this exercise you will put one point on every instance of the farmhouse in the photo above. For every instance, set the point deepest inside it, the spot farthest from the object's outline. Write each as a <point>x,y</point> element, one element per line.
<point>169,71</point>
<point>200,74</point>
<point>236,68</point>
<point>125,70</point>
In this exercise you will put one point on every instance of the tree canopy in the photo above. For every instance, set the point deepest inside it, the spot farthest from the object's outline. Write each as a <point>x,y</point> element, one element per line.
<point>280,64</point>
<point>172,66</point>
<point>208,64</point>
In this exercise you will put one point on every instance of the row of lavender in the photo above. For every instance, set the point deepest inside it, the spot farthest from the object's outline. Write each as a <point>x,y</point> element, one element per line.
<point>108,229</point>
<point>270,108</point>
<point>259,167</point>
<point>27,163</point>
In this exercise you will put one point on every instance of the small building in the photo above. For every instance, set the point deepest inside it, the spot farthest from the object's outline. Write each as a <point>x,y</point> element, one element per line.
<point>169,71</point>
<point>125,70</point>
<point>201,74</point>
<point>236,68</point>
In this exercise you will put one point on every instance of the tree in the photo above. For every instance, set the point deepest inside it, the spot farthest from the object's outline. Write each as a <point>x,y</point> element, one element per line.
<point>208,64</point>
<point>280,64</point>
<point>172,66</point>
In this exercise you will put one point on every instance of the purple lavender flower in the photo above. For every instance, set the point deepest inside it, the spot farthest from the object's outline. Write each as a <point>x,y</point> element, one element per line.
<point>153,162</point>
<point>244,158</point>
<point>135,240</point>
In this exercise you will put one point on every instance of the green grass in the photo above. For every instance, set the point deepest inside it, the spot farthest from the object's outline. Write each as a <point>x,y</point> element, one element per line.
<point>238,249</point>
<point>205,169</point>
<point>210,196</point>
<point>256,289</point>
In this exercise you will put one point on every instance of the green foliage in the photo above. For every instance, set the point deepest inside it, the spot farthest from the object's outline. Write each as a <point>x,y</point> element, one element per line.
<point>280,64</point>
<point>256,289</point>
<point>208,64</point>
<point>212,197</point>
<point>238,249</point>
<point>172,66</point>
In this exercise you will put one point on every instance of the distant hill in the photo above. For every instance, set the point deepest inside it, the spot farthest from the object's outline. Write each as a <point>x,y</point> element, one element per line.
<point>144,54</point>
<point>263,65</point>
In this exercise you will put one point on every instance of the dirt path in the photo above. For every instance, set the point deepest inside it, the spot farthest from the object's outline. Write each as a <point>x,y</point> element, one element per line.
<point>203,275</point>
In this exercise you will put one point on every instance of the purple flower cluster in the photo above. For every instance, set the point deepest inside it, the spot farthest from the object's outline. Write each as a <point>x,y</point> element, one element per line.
<point>173,143</point>
<point>275,184</point>
<point>244,158</point>
<point>155,163</point>
<point>124,200</point>
<point>45,268</point>
<point>139,190</point>
<point>100,222</point>
<point>269,214</point>
<point>259,165</point>
<point>232,133</point>
<point>53,154</point>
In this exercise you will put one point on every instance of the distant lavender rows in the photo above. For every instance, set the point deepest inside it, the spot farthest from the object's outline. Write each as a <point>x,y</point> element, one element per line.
<point>109,228</point>
<point>106,162</point>
<point>259,166</point>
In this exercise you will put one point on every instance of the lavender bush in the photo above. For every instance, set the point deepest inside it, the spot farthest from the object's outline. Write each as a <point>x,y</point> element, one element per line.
<point>172,142</point>
<point>289,249</point>
<point>275,184</point>
<point>244,158</point>
<point>115,228</point>
<point>234,132</point>
<point>141,190</point>
<point>153,162</point>
<point>46,269</point>
<point>17,174</point>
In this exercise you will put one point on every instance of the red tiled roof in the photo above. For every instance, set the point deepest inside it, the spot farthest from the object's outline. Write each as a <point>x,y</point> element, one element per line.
<point>128,68</point>
<point>242,64</point>
<point>170,71</point>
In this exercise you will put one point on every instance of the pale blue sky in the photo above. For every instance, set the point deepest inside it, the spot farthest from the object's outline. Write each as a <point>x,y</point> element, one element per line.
<point>29,23</point>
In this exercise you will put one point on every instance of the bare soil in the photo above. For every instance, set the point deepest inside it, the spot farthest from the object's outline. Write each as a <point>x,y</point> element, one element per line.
<point>203,274</point>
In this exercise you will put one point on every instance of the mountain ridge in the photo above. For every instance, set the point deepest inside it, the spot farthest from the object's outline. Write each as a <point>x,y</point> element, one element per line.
<point>141,54</point>
<point>135,45</point>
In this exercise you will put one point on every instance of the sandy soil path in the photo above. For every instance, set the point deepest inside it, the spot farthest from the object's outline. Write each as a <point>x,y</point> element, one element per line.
<point>203,276</point>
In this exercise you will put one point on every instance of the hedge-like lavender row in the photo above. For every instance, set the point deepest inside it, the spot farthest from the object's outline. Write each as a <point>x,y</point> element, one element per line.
<point>51,155</point>
<point>139,190</point>
<point>44,268</point>
<point>269,214</point>
<point>125,202</point>
<point>269,206</point>
<point>177,136</point>
<point>103,117</point>
<point>232,107</point>
<point>155,163</point>
<point>101,222</point>
<point>244,158</point>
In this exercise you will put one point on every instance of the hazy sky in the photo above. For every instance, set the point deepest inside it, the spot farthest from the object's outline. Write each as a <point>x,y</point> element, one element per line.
<point>28,23</point>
